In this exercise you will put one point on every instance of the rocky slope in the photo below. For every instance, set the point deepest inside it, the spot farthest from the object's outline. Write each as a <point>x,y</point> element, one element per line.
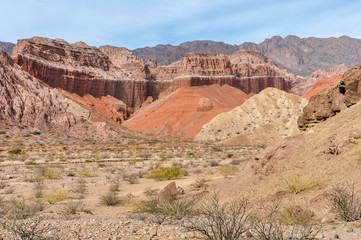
<point>6,47</point>
<point>265,118</point>
<point>302,56</point>
<point>326,156</point>
<point>24,101</point>
<point>184,111</point>
<point>333,99</point>
<point>167,54</point>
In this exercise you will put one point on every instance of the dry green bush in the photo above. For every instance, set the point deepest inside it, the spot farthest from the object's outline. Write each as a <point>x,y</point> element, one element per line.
<point>110,199</point>
<point>85,172</point>
<point>48,173</point>
<point>227,170</point>
<point>165,173</point>
<point>74,207</point>
<point>298,184</point>
<point>172,209</point>
<point>57,195</point>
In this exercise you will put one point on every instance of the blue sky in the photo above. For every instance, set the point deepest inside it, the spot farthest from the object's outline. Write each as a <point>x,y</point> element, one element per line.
<point>140,23</point>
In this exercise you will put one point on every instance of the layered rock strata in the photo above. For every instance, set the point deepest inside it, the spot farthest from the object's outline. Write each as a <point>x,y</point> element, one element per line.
<point>82,69</point>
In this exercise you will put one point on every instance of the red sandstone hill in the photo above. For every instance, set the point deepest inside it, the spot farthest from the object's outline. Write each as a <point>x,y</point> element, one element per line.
<point>320,85</point>
<point>184,111</point>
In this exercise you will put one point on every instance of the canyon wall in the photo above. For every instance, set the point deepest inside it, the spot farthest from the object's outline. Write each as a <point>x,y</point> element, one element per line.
<point>82,69</point>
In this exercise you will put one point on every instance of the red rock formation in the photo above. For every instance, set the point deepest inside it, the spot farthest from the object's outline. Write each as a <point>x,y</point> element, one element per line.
<point>179,112</point>
<point>320,85</point>
<point>333,99</point>
<point>82,69</point>
<point>304,84</point>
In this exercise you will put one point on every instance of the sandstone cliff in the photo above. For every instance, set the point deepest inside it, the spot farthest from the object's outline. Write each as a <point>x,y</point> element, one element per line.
<point>333,99</point>
<point>265,118</point>
<point>82,69</point>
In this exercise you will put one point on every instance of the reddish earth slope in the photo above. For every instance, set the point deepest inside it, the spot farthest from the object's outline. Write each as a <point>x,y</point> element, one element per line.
<point>319,86</point>
<point>184,111</point>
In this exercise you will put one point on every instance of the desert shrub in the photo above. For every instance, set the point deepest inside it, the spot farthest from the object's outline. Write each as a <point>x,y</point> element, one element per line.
<point>85,172</point>
<point>111,198</point>
<point>80,188</point>
<point>213,163</point>
<point>39,190</point>
<point>46,173</point>
<point>227,170</point>
<point>345,202</point>
<point>198,183</point>
<point>23,209</point>
<point>34,227</point>
<point>74,207</point>
<point>31,162</point>
<point>164,173</point>
<point>15,151</point>
<point>190,154</point>
<point>218,221</point>
<point>298,184</point>
<point>229,155</point>
<point>132,178</point>
<point>114,186</point>
<point>272,222</point>
<point>3,184</point>
<point>57,195</point>
<point>235,161</point>
<point>177,208</point>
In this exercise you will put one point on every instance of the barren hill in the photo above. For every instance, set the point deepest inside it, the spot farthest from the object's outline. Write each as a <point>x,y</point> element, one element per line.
<point>264,118</point>
<point>184,111</point>
<point>302,56</point>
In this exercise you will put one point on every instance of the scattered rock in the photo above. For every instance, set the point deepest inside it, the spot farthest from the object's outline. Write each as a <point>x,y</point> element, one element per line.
<point>170,192</point>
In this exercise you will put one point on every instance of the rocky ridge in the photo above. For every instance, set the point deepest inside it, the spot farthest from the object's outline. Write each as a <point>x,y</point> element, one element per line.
<point>264,118</point>
<point>82,69</point>
<point>333,99</point>
<point>302,56</point>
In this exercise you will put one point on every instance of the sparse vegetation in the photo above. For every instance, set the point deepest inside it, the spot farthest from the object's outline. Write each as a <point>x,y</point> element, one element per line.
<point>15,151</point>
<point>57,195</point>
<point>85,172</point>
<point>222,220</point>
<point>227,170</point>
<point>298,184</point>
<point>48,173</point>
<point>345,202</point>
<point>199,183</point>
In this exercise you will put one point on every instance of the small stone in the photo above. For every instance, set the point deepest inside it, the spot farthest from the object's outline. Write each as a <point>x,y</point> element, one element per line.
<point>349,230</point>
<point>152,232</point>
<point>89,236</point>
<point>336,236</point>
